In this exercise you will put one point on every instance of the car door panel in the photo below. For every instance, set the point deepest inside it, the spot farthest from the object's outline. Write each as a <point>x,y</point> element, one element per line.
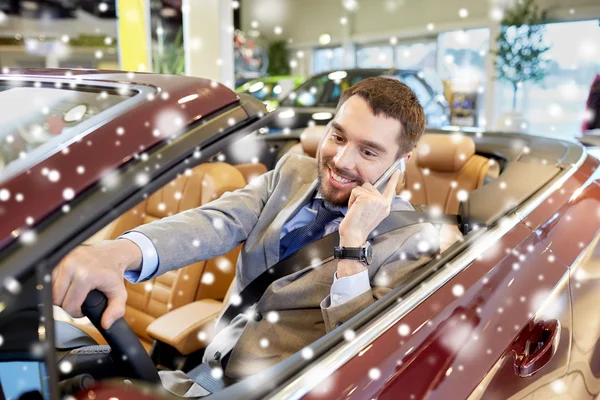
<point>464,333</point>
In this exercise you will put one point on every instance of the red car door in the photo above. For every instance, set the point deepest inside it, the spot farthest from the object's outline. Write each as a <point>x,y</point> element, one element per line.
<point>499,328</point>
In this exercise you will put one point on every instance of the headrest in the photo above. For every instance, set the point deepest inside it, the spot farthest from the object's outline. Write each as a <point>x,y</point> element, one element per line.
<point>444,153</point>
<point>311,137</point>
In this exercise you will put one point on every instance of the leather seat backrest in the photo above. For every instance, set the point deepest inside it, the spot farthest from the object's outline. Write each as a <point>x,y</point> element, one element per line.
<point>206,279</point>
<point>310,138</point>
<point>441,167</point>
<point>251,171</point>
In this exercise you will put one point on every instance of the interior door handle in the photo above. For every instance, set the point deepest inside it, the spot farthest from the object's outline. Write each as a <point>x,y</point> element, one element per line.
<point>536,348</point>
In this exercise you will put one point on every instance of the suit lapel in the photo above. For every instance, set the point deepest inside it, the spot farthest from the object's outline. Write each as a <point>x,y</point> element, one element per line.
<point>299,200</point>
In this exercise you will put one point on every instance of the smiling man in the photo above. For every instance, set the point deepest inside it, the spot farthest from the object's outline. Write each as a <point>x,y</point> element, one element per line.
<point>378,121</point>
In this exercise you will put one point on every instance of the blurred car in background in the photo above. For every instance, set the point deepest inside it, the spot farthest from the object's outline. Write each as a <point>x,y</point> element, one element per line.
<point>271,89</point>
<point>103,8</point>
<point>47,9</point>
<point>314,102</point>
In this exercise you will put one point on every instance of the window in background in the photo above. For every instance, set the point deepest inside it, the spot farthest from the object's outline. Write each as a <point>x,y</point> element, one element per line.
<point>556,106</point>
<point>328,59</point>
<point>417,56</point>
<point>462,64</point>
<point>375,57</point>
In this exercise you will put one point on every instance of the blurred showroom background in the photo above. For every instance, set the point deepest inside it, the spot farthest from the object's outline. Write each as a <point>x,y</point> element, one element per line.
<point>507,65</point>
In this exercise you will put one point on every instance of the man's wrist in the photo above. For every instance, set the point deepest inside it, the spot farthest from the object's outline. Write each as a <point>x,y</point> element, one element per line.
<point>131,255</point>
<point>347,267</point>
<point>351,241</point>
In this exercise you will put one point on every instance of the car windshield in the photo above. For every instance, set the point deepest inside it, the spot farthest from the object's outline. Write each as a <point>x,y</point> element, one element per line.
<point>36,116</point>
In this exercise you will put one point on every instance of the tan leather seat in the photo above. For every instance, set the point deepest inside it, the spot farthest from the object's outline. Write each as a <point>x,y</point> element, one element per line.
<point>309,141</point>
<point>251,171</point>
<point>442,169</point>
<point>203,280</point>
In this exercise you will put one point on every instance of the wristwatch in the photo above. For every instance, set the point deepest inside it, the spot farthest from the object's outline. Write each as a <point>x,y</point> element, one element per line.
<point>364,253</point>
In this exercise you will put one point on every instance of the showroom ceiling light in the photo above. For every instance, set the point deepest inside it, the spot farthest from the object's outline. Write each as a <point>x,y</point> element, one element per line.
<point>254,24</point>
<point>430,26</point>
<point>337,75</point>
<point>496,14</point>
<point>324,39</point>
<point>278,30</point>
<point>75,113</point>
<point>463,13</point>
<point>103,7</point>
<point>322,116</point>
<point>300,54</point>
<point>235,4</point>
<point>393,40</point>
<point>343,20</point>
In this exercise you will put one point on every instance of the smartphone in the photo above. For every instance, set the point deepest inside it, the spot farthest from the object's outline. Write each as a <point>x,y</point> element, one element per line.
<point>384,179</point>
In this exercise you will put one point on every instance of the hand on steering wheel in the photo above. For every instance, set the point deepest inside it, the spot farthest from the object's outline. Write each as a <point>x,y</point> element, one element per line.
<point>127,351</point>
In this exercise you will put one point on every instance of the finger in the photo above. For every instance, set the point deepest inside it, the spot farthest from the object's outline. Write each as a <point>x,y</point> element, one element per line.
<point>74,298</point>
<point>115,308</point>
<point>390,189</point>
<point>61,279</point>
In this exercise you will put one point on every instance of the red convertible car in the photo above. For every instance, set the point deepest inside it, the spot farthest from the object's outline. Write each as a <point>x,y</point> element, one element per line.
<point>508,309</point>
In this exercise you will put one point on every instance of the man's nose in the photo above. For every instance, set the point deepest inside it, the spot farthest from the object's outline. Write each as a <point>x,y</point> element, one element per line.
<point>344,159</point>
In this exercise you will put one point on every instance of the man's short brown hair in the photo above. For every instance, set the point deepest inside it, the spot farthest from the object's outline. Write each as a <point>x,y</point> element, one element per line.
<point>393,99</point>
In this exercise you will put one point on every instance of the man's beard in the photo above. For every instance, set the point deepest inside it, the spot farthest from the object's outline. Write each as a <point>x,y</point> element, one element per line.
<point>331,194</point>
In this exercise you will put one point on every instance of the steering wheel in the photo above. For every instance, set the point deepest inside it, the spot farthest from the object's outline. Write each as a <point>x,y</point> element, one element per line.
<point>127,351</point>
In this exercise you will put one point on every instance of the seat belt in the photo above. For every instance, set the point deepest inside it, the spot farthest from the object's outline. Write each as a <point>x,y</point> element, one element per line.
<point>322,250</point>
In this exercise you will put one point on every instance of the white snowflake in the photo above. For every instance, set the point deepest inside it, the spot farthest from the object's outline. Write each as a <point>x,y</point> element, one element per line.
<point>53,175</point>
<point>403,330</point>
<point>28,237</point>
<point>272,317</point>
<point>202,336</point>
<point>80,169</point>
<point>462,195</point>
<point>208,278</point>
<point>224,264</point>
<point>217,373</point>
<point>65,367</point>
<point>374,373</point>
<point>29,220</point>
<point>307,353</point>
<point>4,194</point>
<point>236,299</point>
<point>349,335</point>
<point>142,179</point>
<point>196,243</point>
<point>68,194</point>
<point>218,223</point>
<point>458,290</point>
<point>148,286</point>
<point>264,343</point>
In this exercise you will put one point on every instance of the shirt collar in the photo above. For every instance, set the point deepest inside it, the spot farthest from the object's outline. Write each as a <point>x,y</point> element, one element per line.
<point>341,209</point>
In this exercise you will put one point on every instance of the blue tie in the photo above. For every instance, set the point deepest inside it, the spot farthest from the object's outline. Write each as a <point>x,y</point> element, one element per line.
<point>304,235</point>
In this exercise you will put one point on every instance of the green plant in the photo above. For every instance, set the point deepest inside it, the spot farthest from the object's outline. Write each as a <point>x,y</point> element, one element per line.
<point>521,49</point>
<point>278,59</point>
<point>169,58</point>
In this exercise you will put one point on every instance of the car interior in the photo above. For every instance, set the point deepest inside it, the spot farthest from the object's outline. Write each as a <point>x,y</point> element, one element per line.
<point>173,316</point>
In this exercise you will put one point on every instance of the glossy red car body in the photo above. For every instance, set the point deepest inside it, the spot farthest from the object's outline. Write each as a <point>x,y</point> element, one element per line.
<point>514,315</point>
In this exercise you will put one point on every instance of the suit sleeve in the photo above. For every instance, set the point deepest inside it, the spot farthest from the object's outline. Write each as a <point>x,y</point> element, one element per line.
<point>212,229</point>
<point>419,244</point>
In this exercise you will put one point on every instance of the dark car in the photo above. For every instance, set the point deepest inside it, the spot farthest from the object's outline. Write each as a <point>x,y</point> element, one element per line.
<point>314,102</point>
<point>507,310</point>
<point>100,8</point>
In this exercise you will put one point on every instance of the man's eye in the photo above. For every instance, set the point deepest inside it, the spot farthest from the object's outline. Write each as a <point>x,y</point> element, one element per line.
<point>369,153</point>
<point>338,138</point>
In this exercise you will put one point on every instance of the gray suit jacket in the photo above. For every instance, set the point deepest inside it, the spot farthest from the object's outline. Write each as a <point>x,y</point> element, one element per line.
<point>255,216</point>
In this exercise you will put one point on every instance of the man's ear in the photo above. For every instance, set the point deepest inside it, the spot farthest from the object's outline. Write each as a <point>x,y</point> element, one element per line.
<point>407,156</point>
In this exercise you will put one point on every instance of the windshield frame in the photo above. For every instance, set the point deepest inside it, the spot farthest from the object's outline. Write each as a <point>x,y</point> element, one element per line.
<point>139,94</point>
